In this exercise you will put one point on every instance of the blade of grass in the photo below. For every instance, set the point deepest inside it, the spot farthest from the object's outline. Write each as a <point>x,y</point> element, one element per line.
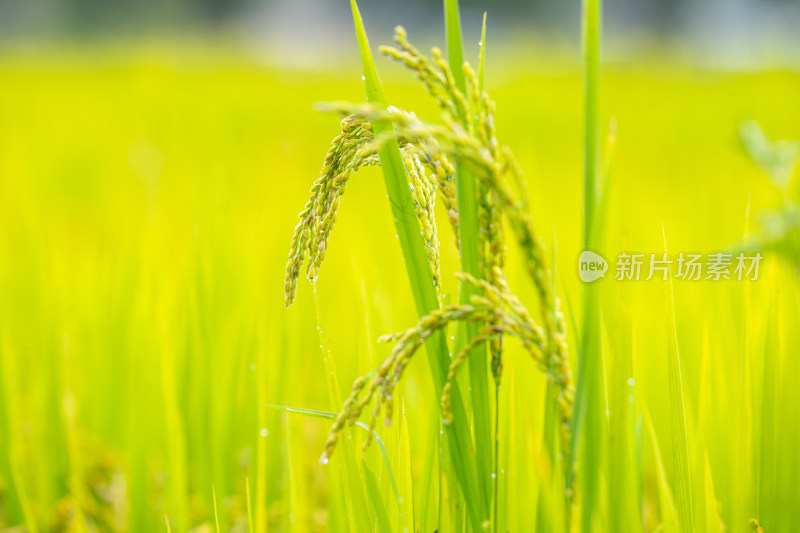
<point>704,426</point>
<point>250,527</point>
<point>469,230</point>
<point>680,441</point>
<point>406,482</point>
<point>75,482</point>
<point>550,510</point>
<point>216,515</point>
<point>9,400</point>
<point>669,514</point>
<point>592,35</point>
<point>314,413</point>
<point>421,279</point>
<point>637,466</point>
<point>549,516</point>
<point>587,422</point>
<point>744,504</point>
<point>482,53</point>
<point>176,444</point>
<point>353,485</point>
<point>331,416</point>
<point>291,491</point>
<point>505,451</point>
<point>495,489</point>
<point>22,492</point>
<point>713,522</point>
<point>770,390</point>
<point>545,506</point>
<point>623,500</point>
<point>429,496</point>
<point>589,414</point>
<point>455,48</point>
<point>261,444</point>
<point>515,460</point>
<point>375,500</point>
<point>744,495</point>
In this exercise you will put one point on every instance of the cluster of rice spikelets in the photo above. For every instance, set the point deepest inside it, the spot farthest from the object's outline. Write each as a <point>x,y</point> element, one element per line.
<point>499,312</point>
<point>318,217</point>
<point>423,194</point>
<point>426,173</point>
<point>467,135</point>
<point>380,384</point>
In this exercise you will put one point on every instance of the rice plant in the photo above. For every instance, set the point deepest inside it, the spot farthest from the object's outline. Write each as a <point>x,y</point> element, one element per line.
<point>462,149</point>
<point>153,379</point>
<point>460,162</point>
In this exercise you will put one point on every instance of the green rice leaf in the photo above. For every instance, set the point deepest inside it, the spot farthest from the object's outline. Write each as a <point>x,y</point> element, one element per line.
<point>216,514</point>
<point>623,499</point>
<point>13,452</point>
<point>669,513</point>
<point>713,521</point>
<point>250,527</point>
<point>353,484</point>
<point>455,48</point>
<point>482,54</point>
<point>680,442</point>
<point>429,495</point>
<point>375,500</point>
<point>307,412</point>
<point>330,416</point>
<point>469,230</point>
<point>588,415</point>
<point>419,275</point>
<point>406,481</point>
<point>766,492</point>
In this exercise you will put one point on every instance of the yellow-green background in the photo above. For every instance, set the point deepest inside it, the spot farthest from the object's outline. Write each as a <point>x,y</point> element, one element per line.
<point>147,202</point>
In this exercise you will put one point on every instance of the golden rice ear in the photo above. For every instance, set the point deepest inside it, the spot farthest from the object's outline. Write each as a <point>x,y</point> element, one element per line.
<point>423,194</point>
<point>467,135</point>
<point>500,311</point>
<point>352,149</point>
<point>455,365</point>
<point>316,220</point>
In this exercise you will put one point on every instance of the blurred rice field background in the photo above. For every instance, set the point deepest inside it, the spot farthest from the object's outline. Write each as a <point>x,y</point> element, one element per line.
<point>147,202</point>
